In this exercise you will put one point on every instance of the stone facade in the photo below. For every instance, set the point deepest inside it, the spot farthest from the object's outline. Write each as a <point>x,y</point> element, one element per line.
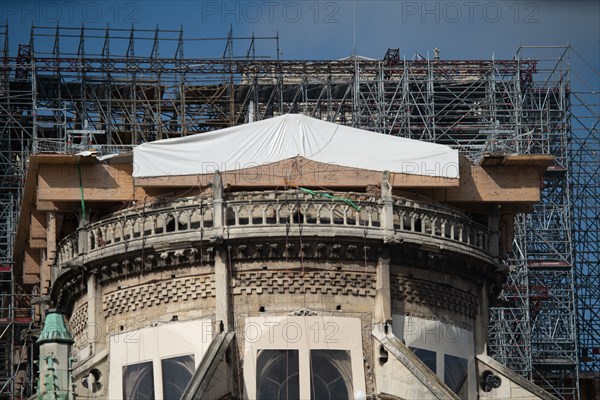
<point>292,265</point>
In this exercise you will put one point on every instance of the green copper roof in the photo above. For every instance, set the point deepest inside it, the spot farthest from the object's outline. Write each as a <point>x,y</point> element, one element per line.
<point>55,329</point>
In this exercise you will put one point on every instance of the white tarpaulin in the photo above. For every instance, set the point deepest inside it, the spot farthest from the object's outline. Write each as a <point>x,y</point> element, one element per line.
<point>288,136</point>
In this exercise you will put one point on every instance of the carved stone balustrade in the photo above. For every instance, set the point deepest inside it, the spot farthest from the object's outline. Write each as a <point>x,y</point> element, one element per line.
<point>271,214</point>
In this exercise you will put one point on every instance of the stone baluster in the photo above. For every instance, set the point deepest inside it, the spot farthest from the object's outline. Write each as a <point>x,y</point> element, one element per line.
<point>250,210</point>
<point>153,219</point>
<point>165,218</point>
<point>91,240</point>
<point>189,213</point>
<point>264,214</point>
<point>176,215</point>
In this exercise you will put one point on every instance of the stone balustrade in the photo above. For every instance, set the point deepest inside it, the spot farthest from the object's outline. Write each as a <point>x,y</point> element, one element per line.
<point>273,213</point>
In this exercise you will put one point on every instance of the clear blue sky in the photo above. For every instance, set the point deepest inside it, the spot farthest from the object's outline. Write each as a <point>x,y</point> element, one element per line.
<point>331,29</point>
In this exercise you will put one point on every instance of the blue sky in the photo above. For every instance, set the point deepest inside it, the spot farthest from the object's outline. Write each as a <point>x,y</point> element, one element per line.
<point>331,29</point>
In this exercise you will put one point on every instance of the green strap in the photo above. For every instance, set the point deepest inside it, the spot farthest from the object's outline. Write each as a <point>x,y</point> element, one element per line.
<point>81,192</point>
<point>329,196</point>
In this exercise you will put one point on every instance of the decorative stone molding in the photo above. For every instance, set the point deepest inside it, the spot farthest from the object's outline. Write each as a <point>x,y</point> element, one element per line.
<point>305,249</point>
<point>433,295</point>
<point>323,282</point>
<point>153,294</point>
<point>304,312</point>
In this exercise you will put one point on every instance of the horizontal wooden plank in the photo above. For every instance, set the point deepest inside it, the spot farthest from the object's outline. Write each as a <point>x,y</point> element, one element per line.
<point>37,229</point>
<point>31,267</point>
<point>61,183</point>
<point>37,243</point>
<point>496,184</point>
<point>298,171</point>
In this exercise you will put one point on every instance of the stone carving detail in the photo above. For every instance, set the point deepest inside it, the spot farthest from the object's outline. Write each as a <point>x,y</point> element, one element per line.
<point>153,261</point>
<point>324,282</point>
<point>304,312</point>
<point>144,296</point>
<point>433,295</point>
<point>306,250</point>
<point>78,320</point>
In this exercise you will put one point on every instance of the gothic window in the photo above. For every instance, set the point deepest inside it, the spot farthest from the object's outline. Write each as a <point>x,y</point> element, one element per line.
<point>138,382</point>
<point>330,375</point>
<point>427,356</point>
<point>277,375</point>
<point>176,374</point>
<point>455,374</point>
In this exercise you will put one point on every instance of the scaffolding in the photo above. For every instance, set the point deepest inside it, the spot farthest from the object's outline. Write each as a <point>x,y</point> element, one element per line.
<point>15,309</point>
<point>134,85</point>
<point>585,167</point>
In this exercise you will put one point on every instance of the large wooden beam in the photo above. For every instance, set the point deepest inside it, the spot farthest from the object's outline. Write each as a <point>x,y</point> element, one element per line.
<point>497,184</point>
<point>297,171</point>
<point>100,182</point>
<point>493,182</point>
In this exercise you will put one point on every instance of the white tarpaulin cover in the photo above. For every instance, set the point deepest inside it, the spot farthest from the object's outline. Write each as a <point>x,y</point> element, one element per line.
<point>287,136</point>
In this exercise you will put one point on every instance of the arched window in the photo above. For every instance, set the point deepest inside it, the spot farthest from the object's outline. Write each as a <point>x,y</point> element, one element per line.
<point>176,373</point>
<point>138,382</point>
<point>331,375</point>
<point>277,375</point>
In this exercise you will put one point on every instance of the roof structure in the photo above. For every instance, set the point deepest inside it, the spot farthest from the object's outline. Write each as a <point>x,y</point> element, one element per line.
<point>287,136</point>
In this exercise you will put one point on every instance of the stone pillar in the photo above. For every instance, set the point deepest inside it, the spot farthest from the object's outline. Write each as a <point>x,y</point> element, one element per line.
<point>383,302</point>
<point>44,273</point>
<point>95,317</point>
<point>48,255</point>
<point>387,217</point>
<point>218,211</point>
<point>494,216</point>
<point>481,320</point>
<point>82,238</point>
<point>222,291</point>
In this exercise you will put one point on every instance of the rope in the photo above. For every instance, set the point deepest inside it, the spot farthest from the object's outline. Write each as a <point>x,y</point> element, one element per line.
<point>326,195</point>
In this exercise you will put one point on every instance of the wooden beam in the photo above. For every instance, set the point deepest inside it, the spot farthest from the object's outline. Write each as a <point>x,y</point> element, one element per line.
<point>61,183</point>
<point>541,161</point>
<point>37,229</point>
<point>31,267</point>
<point>59,206</point>
<point>298,171</point>
<point>493,184</point>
